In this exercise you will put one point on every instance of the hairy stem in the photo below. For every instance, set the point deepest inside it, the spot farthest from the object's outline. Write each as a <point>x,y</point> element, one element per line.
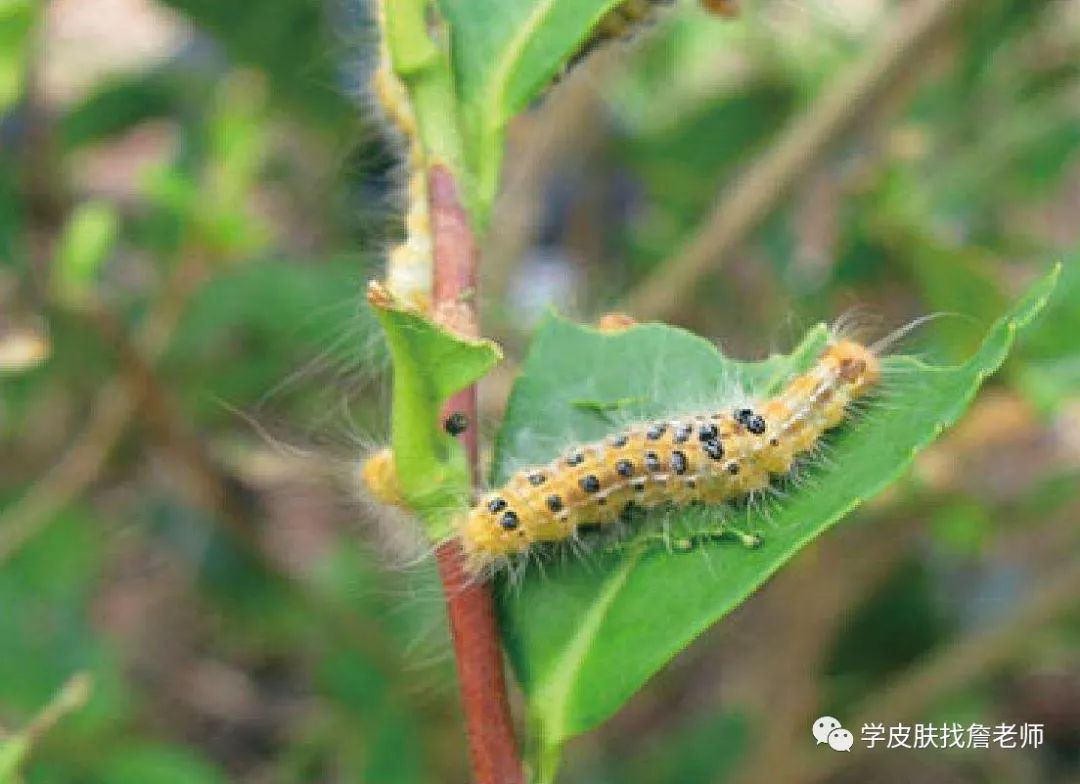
<point>469,603</point>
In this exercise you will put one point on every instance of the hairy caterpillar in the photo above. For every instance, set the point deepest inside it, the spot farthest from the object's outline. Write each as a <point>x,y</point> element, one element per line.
<point>708,457</point>
<point>409,264</point>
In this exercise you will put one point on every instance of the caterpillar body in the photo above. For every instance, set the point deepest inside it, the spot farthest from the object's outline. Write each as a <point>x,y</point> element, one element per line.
<point>708,457</point>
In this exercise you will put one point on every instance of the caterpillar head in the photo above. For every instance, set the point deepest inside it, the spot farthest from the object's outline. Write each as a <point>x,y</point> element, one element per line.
<point>857,366</point>
<point>491,528</point>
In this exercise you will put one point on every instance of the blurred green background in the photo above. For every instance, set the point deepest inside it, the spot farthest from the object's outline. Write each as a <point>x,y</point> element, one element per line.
<point>192,194</point>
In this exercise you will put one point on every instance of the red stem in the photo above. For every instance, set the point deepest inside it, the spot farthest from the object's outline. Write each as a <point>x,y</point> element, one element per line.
<point>469,603</point>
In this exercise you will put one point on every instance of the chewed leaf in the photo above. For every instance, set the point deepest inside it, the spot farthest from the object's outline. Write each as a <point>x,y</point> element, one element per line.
<point>429,365</point>
<point>583,640</point>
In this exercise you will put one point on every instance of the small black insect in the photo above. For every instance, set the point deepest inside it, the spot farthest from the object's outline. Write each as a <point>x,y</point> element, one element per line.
<point>575,459</point>
<point>682,433</point>
<point>509,521</point>
<point>708,432</point>
<point>589,483</point>
<point>624,468</point>
<point>678,462</point>
<point>496,505</point>
<point>652,461</point>
<point>554,503</point>
<point>620,441</point>
<point>536,479</point>
<point>456,424</point>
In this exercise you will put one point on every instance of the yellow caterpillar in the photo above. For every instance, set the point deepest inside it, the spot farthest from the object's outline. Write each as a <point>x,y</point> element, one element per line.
<point>710,457</point>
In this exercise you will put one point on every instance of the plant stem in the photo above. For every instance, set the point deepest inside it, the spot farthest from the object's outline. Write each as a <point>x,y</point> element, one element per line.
<point>469,603</point>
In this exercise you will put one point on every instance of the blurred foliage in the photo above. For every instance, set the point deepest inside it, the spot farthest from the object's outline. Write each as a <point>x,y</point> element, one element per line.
<point>275,640</point>
<point>17,19</point>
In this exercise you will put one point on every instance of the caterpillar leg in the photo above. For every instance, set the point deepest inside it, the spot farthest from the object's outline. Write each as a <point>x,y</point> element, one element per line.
<point>685,543</point>
<point>748,540</point>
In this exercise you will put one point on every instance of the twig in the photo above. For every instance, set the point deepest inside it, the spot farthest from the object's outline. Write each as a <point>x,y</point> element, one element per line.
<point>769,178</point>
<point>73,695</point>
<point>111,412</point>
<point>469,603</point>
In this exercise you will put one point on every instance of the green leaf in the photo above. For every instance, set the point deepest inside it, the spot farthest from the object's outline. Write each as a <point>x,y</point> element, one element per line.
<point>13,751</point>
<point>429,365</point>
<point>504,53</point>
<point>583,640</point>
<point>1050,374</point>
<point>291,40</point>
<point>137,763</point>
<point>87,240</point>
<point>17,19</point>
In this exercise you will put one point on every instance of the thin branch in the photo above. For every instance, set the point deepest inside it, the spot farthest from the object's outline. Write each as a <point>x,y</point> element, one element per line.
<point>750,200</point>
<point>469,603</point>
<point>110,414</point>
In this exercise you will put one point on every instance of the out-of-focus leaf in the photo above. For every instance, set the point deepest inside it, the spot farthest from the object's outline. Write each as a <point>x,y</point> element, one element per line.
<point>291,40</point>
<point>85,244</point>
<point>13,751</point>
<point>582,641</point>
<point>120,104</point>
<point>393,736</point>
<point>17,18</point>
<point>962,527</point>
<point>45,632</point>
<point>150,763</point>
